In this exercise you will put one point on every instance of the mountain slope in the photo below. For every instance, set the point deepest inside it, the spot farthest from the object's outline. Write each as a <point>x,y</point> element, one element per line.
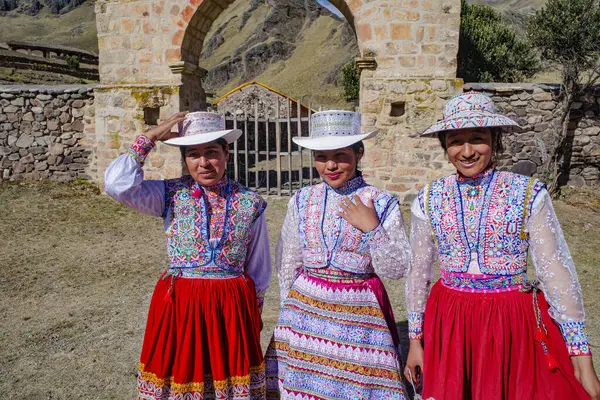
<point>76,28</point>
<point>515,11</point>
<point>296,47</point>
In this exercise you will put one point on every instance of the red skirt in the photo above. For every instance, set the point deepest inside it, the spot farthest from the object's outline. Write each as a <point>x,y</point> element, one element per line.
<point>202,340</point>
<point>482,346</point>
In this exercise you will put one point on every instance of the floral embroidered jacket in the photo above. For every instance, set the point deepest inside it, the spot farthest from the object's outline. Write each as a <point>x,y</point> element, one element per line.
<point>481,230</point>
<point>314,236</point>
<point>212,232</point>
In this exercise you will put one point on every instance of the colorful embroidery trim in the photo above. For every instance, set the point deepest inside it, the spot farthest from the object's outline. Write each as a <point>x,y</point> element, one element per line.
<point>489,221</point>
<point>189,236</point>
<point>575,334</point>
<point>347,247</point>
<point>483,283</point>
<point>141,148</point>
<point>249,386</point>
<point>415,326</point>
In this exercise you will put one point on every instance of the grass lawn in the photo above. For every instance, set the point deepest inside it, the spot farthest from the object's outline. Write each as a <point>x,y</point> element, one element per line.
<point>79,269</point>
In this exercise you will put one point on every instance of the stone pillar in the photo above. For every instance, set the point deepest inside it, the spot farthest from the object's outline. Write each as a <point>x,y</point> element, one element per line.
<point>120,119</point>
<point>135,52</point>
<point>408,69</point>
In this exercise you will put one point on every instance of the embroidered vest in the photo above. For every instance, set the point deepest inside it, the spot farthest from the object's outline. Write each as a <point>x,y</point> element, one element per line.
<point>350,252</point>
<point>188,235</point>
<point>497,235</point>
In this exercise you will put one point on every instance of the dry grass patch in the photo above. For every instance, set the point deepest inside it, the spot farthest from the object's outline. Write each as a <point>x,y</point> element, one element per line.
<point>79,269</point>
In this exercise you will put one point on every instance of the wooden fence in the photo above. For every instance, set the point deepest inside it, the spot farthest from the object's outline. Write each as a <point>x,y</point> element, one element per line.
<point>265,158</point>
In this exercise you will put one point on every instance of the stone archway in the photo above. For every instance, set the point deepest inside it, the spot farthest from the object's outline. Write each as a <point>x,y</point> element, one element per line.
<point>150,49</point>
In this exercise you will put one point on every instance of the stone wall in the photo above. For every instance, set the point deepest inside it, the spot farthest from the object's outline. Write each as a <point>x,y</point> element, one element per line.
<point>17,60</point>
<point>47,132</point>
<point>536,109</point>
<point>399,160</point>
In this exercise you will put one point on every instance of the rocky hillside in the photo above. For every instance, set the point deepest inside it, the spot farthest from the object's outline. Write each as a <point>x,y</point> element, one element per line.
<point>33,7</point>
<point>297,47</point>
<point>516,11</point>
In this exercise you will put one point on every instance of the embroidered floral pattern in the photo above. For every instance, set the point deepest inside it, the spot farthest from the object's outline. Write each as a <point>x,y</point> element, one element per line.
<point>469,110</point>
<point>376,237</point>
<point>249,387</point>
<point>209,235</point>
<point>483,283</point>
<point>328,238</point>
<point>575,334</point>
<point>141,148</point>
<point>510,227</point>
<point>486,214</point>
<point>415,326</point>
<point>332,341</point>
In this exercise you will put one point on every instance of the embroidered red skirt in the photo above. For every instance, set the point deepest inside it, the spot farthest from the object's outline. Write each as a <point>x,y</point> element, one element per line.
<point>202,341</point>
<point>483,346</point>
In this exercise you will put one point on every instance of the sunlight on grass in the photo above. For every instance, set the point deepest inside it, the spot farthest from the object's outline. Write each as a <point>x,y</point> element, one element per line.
<point>79,270</point>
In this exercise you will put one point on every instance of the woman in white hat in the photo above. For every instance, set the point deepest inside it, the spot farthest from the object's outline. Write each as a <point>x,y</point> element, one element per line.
<point>202,337</point>
<point>488,332</point>
<point>336,337</point>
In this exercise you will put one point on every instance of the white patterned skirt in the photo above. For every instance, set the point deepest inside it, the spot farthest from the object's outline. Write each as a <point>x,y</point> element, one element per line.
<point>335,339</point>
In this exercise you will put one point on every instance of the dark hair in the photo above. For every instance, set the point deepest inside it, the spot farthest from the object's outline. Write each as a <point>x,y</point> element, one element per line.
<point>357,146</point>
<point>220,141</point>
<point>497,145</point>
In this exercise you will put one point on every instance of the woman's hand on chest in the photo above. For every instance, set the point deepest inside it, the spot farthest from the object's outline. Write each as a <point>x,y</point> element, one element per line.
<point>360,215</point>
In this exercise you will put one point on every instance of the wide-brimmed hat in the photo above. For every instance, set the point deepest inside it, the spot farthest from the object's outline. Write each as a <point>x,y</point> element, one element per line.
<point>203,127</point>
<point>470,110</point>
<point>333,129</point>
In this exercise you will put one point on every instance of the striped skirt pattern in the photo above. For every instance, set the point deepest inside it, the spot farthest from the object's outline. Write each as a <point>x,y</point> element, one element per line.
<point>334,340</point>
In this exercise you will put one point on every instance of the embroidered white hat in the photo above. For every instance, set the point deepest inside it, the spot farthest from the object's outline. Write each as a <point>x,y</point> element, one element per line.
<point>470,110</point>
<point>203,127</point>
<point>333,129</point>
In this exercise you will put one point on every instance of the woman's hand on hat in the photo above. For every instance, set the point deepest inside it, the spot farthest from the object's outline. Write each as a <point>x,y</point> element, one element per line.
<point>361,216</point>
<point>163,131</point>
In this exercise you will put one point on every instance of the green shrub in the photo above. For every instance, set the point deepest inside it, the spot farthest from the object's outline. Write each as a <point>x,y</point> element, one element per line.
<point>489,49</point>
<point>351,82</point>
<point>73,62</point>
<point>567,32</point>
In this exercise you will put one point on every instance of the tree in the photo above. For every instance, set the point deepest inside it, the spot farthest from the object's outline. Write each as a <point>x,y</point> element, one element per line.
<point>567,33</point>
<point>489,49</point>
<point>72,62</point>
<point>351,82</point>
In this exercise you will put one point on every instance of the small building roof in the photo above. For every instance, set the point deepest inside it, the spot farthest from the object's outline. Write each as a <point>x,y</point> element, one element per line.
<point>262,85</point>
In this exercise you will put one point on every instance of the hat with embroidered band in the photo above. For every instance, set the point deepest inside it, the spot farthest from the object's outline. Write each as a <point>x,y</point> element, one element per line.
<point>470,110</point>
<point>333,129</point>
<point>203,127</point>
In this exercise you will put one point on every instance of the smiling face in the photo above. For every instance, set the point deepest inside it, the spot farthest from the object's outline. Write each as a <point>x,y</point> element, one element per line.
<point>470,150</point>
<point>207,162</point>
<point>337,166</point>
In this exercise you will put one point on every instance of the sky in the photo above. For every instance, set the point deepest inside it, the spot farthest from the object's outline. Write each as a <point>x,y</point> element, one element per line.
<point>330,7</point>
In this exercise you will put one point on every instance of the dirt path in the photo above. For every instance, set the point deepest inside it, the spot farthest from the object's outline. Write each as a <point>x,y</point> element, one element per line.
<point>79,269</point>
